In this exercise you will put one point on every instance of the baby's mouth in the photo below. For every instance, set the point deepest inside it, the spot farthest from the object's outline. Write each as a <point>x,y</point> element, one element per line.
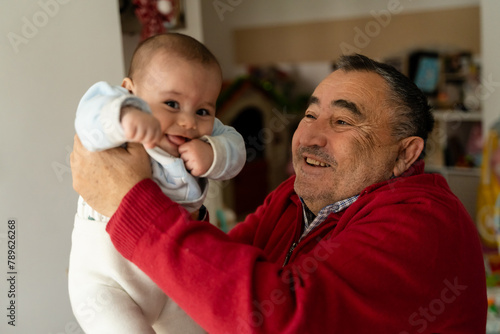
<point>177,140</point>
<point>317,163</point>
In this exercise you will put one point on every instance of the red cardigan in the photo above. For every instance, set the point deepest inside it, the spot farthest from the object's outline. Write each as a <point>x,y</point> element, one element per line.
<point>404,258</point>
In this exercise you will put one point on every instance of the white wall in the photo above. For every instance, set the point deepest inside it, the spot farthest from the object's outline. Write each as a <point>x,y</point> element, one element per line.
<point>57,53</point>
<point>490,95</point>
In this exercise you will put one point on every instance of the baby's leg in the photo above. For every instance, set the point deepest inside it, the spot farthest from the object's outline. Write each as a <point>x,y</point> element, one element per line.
<point>99,301</point>
<point>107,310</point>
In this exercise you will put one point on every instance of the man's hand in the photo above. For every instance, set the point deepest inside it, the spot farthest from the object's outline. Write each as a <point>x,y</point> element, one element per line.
<point>140,127</point>
<point>198,156</point>
<point>104,178</point>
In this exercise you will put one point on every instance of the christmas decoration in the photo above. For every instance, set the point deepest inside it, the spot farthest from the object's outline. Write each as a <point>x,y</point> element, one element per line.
<point>155,14</point>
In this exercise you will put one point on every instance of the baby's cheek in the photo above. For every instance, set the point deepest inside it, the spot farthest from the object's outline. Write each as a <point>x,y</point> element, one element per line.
<point>207,128</point>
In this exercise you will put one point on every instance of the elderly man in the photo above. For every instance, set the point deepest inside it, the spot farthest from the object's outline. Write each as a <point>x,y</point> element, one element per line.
<point>360,240</point>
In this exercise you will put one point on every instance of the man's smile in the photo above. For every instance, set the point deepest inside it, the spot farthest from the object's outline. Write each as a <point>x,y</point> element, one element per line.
<point>314,156</point>
<point>313,162</point>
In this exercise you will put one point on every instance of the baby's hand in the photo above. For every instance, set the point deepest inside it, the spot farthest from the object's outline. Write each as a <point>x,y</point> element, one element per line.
<point>198,156</point>
<point>140,127</point>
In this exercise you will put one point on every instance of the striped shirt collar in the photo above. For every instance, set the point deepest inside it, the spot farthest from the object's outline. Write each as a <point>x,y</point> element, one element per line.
<point>311,221</point>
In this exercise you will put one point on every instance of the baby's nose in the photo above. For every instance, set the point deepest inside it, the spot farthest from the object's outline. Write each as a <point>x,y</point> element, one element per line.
<point>186,121</point>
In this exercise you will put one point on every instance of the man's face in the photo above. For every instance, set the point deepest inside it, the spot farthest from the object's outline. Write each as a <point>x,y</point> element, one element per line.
<point>182,96</point>
<point>343,144</point>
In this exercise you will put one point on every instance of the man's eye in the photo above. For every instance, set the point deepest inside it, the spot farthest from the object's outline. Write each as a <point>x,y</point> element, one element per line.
<point>172,104</point>
<point>203,112</point>
<point>311,116</point>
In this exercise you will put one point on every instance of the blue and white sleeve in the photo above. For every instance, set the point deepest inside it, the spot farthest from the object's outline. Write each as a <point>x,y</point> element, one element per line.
<point>97,120</point>
<point>229,152</point>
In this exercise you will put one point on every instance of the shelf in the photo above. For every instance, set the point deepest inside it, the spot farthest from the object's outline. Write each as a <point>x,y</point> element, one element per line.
<point>454,141</point>
<point>446,144</point>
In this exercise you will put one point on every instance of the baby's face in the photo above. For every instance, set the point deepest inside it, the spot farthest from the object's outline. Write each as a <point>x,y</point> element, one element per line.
<point>182,96</point>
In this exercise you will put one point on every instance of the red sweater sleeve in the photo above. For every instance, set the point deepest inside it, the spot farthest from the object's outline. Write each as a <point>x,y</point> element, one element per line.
<point>210,275</point>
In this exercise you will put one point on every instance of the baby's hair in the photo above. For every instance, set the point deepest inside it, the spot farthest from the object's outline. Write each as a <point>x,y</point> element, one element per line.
<point>175,44</point>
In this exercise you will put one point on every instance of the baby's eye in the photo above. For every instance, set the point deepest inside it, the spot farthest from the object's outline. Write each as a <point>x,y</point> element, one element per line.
<point>203,112</point>
<point>172,104</point>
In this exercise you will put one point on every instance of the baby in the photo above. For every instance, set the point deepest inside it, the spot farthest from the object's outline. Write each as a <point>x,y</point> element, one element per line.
<point>167,103</point>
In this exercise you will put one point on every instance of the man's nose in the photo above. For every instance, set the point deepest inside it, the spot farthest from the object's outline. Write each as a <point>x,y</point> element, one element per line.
<point>313,134</point>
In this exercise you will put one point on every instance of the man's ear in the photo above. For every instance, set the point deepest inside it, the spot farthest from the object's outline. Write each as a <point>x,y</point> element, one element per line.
<point>409,151</point>
<point>128,84</point>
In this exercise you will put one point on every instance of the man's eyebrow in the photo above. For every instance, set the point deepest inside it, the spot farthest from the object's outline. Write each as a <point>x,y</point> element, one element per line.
<point>341,103</point>
<point>351,106</point>
<point>313,100</point>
